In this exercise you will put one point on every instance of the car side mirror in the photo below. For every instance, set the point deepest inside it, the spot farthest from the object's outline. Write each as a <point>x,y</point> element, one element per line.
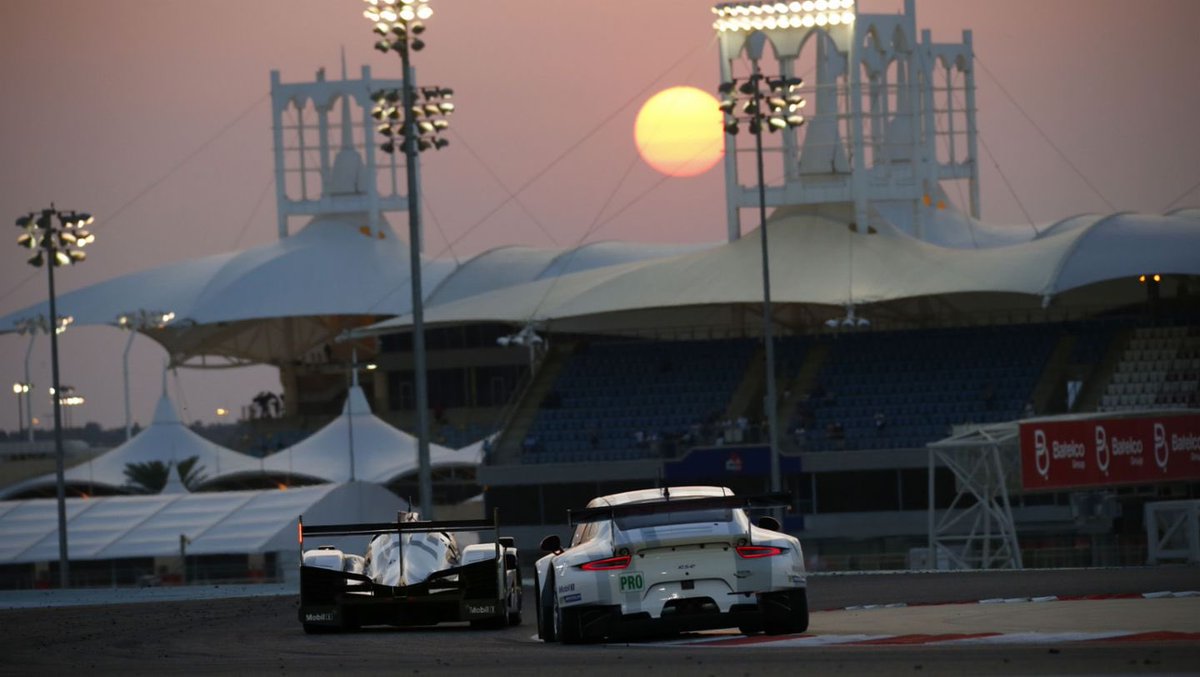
<point>768,522</point>
<point>551,543</point>
<point>507,542</point>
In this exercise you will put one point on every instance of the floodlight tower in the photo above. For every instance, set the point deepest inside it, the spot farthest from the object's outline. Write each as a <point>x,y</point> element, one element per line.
<point>399,25</point>
<point>58,236</point>
<point>891,113</point>
<point>772,103</point>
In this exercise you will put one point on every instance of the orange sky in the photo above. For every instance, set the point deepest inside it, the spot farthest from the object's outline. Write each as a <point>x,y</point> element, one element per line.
<point>153,114</point>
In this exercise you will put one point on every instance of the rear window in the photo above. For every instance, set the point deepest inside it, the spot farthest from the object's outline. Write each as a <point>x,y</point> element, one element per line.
<point>659,519</point>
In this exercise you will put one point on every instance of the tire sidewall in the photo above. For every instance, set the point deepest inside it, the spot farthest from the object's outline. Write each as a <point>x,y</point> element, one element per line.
<point>545,609</point>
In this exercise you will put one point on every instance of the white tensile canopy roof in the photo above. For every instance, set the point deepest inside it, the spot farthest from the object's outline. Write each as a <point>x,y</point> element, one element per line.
<point>167,440</point>
<point>819,260</point>
<point>217,523</point>
<point>511,265</point>
<point>382,453</point>
<point>276,302</point>
<point>263,304</point>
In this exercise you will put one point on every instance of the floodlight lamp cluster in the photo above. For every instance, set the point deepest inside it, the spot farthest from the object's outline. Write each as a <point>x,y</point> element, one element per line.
<point>429,117</point>
<point>67,397</point>
<point>526,337</point>
<point>62,244</point>
<point>39,324</point>
<point>757,16</point>
<point>398,23</point>
<point>850,321</point>
<point>145,319</point>
<point>777,107</point>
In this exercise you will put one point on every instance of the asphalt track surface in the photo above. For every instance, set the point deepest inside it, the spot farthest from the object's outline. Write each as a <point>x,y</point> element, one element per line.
<point>261,635</point>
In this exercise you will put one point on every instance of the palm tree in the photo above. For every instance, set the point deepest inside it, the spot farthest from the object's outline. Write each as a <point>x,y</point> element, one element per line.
<point>150,477</point>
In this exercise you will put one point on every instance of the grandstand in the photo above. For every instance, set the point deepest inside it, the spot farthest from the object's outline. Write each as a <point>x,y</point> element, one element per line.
<point>862,492</point>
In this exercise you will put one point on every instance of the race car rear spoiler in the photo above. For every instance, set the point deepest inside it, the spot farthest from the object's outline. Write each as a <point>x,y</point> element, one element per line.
<point>372,528</point>
<point>668,504</point>
<point>368,528</point>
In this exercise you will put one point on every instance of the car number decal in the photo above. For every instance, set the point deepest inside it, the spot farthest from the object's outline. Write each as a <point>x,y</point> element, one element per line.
<point>632,582</point>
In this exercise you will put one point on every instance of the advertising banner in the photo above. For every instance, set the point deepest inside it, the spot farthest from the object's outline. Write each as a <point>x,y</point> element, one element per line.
<point>1108,452</point>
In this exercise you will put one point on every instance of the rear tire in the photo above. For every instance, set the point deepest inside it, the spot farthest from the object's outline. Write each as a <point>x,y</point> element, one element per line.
<point>566,624</point>
<point>545,608</point>
<point>514,617</point>
<point>785,612</point>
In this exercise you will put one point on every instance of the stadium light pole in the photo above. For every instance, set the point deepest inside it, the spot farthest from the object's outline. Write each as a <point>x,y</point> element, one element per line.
<point>773,103</point>
<point>136,321</point>
<point>398,23</point>
<point>21,389</point>
<point>31,326</point>
<point>56,245</point>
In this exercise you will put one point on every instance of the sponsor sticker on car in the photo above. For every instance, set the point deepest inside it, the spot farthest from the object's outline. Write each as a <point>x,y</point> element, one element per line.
<point>632,582</point>
<point>481,609</point>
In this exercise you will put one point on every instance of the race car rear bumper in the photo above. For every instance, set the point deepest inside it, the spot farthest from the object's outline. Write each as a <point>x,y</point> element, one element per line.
<point>684,615</point>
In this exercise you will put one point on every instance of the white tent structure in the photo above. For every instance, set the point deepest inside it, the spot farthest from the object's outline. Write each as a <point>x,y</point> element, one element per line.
<point>355,446</point>
<point>820,260</point>
<point>214,523</point>
<point>166,440</point>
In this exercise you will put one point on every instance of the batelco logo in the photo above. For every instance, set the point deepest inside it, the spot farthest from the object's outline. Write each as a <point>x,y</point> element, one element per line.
<point>1102,452</point>
<point>1162,452</point>
<point>1041,454</point>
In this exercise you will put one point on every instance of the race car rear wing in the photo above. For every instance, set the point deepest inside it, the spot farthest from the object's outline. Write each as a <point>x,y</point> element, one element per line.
<point>668,504</point>
<point>399,526</point>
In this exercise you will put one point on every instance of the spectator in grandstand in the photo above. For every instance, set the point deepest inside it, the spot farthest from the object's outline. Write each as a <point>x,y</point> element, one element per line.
<point>743,426</point>
<point>800,435</point>
<point>261,404</point>
<point>1029,411</point>
<point>880,421</point>
<point>834,431</point>
<point>531,443</point>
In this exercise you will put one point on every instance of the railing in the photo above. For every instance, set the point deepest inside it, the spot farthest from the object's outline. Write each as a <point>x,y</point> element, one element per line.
<point>1110,555</point>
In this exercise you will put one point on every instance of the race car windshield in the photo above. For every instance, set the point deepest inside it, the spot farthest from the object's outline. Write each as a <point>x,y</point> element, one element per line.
<point>658,519</point>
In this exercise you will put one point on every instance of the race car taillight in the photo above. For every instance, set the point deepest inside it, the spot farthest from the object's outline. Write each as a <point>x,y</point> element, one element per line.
<point>607,564</point>
<point>756,551</point>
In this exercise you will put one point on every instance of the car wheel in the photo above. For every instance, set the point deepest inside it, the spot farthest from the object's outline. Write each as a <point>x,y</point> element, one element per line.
<point>566,625</point>
<point>750,628</point>
<point>514,615</point>
<point>545,608</point>
<point>785,612</point>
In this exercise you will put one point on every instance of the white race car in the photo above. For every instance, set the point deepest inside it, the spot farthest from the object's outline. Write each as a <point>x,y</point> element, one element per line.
<point>414,573</point>
<point>666,560</point>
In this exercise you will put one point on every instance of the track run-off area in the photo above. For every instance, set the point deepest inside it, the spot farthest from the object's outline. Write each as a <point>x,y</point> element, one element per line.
<point>1084,621</point>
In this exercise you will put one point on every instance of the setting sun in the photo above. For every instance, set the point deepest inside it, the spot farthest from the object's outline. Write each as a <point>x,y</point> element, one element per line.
<point>678,131</point>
